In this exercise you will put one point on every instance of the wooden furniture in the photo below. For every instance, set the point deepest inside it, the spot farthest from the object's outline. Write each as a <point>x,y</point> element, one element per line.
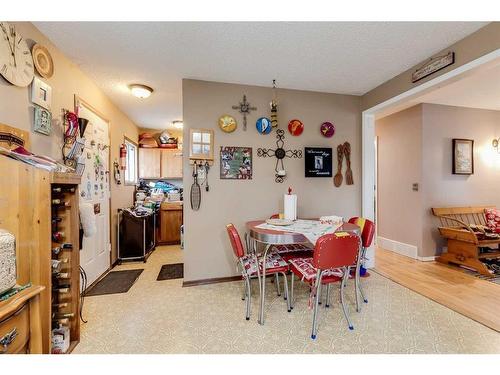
<point>65,281</point>
<point>26,213</point>
<point>12,137</point>
<point>464,243</point>
<point>20,323</point>
<point>160,163</point>
<point>171,217</point>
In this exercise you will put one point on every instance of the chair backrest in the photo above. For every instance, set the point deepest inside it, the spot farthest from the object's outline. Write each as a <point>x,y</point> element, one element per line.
<point>275,216</point>
<point>367,229</point>
<point>235,239</point>
<point>336,250</point>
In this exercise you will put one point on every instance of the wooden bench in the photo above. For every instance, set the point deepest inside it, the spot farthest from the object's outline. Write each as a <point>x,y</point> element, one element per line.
<point>464,242</point>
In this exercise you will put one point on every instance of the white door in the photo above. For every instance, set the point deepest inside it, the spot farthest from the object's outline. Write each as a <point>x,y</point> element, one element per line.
<point>94,189</point>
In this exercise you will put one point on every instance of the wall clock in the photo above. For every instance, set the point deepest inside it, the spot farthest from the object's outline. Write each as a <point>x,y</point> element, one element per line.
<point>16,63</point>
<point>43,61</point>
<point>227,123</point>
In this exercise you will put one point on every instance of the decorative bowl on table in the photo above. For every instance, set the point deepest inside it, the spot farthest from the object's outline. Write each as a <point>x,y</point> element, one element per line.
<point>279,222</point>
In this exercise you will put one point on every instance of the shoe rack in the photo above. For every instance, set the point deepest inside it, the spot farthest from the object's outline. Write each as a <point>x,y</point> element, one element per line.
<point>65,259</point>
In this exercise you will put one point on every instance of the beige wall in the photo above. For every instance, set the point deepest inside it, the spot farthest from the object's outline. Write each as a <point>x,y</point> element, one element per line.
<point>207,252</point>
<point>440,125</point>
<point>427,131</point>
<point>16,110</point>
<point>483,41</point>
<point>399,159</point>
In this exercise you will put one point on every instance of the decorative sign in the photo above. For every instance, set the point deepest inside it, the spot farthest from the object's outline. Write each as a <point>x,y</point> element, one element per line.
<point>43,121</point>
<point>244,108</point>
<point>227,123</point>
<point>433,65</point>
<point>263,125</point>
<point>327,129</point>
<point>295,127</point>
<point>463,156</point>
<point>236,163</point>
<point>318,162</point>
<point>41,93</point>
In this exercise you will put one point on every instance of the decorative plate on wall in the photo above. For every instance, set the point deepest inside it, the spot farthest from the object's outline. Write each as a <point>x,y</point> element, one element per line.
<point>43,61</point>
<point>295,127</point>
<point>327,129</point>
<point>227,123</point>
<point>263,125</point>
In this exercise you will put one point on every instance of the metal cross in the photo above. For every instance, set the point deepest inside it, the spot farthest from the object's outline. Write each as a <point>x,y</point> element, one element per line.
<point>244,109</point>
<point>279,153</point>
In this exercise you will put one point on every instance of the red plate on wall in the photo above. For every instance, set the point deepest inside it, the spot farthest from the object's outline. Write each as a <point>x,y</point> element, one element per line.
<point>295,127</point>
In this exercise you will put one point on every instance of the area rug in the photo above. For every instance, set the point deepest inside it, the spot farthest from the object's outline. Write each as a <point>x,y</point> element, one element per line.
<point>171,271</point>
<point>115,282</point>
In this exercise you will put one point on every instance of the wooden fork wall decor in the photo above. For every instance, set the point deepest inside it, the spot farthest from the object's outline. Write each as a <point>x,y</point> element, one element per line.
<point>343,150</point>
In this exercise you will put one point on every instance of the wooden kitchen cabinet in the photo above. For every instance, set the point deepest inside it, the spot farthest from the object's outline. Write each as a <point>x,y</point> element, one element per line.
<point>169,231</point>
<point>171,163</point>
<point>149,162</point>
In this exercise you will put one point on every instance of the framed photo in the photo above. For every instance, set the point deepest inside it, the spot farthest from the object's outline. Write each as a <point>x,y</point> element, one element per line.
<point>236,163</point>
<point>43,121</point>
<point>318,162</point>
<point>463,156</point>
<point>41,93</point>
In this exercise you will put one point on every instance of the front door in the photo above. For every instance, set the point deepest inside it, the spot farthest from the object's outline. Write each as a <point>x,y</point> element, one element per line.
<point>94,190</point>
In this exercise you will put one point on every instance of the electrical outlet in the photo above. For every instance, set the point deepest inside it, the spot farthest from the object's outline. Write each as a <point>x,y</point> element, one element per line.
<point>414,187</point>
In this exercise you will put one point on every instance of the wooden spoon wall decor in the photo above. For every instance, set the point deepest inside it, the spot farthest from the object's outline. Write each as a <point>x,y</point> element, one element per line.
<point>337,179</point>
<point>348,173</point>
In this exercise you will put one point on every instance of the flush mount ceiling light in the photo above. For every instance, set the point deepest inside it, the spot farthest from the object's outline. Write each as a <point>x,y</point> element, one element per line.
<point>140,91</point>
<point>178,124</point>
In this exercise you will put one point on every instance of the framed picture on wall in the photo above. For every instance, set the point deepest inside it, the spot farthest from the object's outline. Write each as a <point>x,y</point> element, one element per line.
<point>236,163</point>
<point>318,162</point>
<point>463,156</point>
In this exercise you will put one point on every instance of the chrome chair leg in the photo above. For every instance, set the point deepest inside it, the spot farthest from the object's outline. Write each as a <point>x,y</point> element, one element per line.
<point>285,282</point>
<point>342,301</point>
<point>277,282</point>
<point>244,290</point>
<point>327,303</point>
<point>291,291</point>
<point>316,302</point>
<point>248,295</point>
<point>365,300</point>
<point>263,286</point>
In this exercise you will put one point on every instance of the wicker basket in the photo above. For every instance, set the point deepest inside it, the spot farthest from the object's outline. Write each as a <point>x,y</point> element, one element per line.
<point>7,261</point>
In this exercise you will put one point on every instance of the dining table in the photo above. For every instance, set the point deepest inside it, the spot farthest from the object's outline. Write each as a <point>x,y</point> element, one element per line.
<point>270,237</point>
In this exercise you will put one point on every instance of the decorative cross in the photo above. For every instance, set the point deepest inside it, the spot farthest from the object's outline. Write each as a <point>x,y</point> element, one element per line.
<point>244,109</point>
<point>280,153</point>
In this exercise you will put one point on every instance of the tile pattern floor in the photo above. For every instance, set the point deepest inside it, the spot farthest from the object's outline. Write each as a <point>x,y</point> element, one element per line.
<point>162,317</point>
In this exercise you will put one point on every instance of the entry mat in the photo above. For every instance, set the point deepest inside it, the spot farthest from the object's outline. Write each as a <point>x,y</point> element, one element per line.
<point>171,271</point>
<point>115,282</point>
<point>493,265</point>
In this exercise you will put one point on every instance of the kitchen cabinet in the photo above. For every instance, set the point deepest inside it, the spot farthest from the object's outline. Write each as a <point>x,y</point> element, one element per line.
<point>169,231</point>
<point>160,163</point>
<point>171,163</point>
<point>149,162</point>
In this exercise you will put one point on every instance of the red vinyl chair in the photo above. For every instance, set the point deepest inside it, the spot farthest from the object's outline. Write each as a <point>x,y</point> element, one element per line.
<point>333,255</point>
<point>248,265</point>
<point>367,233</point>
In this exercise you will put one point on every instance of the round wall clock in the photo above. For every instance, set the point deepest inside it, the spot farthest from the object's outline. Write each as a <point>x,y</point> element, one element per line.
<point>43,61</point>
<point>16,63</point>
<point>327,129</point>
<point>295,127</point>
<point>263,125</point>
<point>227,123</point>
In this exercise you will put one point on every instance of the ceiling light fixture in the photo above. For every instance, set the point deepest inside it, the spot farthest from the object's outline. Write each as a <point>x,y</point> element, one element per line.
<point>178,124</point>
<point>140,91</point>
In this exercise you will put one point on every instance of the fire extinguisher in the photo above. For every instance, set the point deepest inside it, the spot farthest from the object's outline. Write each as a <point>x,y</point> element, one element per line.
<point>123,156</point>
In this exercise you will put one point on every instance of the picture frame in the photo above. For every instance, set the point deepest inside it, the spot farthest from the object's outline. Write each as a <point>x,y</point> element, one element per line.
<point>42,120</point>
<point>318,161</point>
<point>235,163</point>
<point>201,144</point>
<point>41,94</point>
<point>463,156</point>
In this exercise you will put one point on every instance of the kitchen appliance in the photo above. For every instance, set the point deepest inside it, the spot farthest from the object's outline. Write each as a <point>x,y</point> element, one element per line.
<point>136,235</point>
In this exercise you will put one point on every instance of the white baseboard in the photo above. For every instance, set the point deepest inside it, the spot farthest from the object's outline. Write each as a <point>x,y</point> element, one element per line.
<point>401,248</point>
<point>427,259</point>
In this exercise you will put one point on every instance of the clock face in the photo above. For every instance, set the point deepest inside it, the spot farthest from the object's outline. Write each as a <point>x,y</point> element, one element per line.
<point>16,63</point>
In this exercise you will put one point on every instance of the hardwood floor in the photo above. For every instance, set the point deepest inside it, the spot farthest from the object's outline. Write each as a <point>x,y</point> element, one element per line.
<point>465,294</point>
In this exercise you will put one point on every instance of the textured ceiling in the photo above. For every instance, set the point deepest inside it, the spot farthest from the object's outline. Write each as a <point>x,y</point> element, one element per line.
<point>337,57</point>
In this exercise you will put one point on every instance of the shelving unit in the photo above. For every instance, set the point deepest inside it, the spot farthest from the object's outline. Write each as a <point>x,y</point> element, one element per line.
<point>65,283</point>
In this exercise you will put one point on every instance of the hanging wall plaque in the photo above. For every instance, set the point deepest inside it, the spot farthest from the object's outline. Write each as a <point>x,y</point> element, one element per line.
<point>263,125</point>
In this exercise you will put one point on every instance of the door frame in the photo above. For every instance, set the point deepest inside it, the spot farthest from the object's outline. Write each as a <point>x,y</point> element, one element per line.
<point>78,100</point>
<point>368,156</point>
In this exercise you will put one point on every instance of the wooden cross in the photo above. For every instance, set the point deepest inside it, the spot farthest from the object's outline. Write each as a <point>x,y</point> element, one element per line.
<point>244,108</point>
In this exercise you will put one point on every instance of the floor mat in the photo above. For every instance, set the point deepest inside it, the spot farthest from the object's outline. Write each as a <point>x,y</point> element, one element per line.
<point>115,282</point>
<point>171,271</point>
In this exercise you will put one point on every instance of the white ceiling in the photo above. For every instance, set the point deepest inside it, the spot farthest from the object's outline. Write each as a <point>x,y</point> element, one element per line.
<point>479,90</point>
<point>338,57</point>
